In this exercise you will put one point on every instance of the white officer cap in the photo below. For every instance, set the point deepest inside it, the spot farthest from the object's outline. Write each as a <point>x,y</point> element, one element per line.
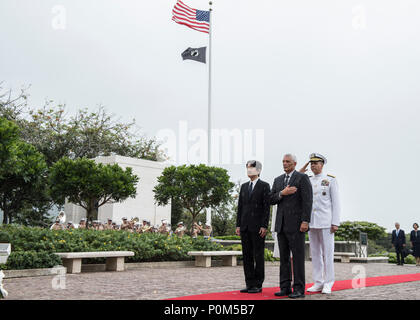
<point>315,157</point>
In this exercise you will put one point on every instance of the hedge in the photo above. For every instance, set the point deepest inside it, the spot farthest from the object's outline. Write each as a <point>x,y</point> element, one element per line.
<point>31,260</point>
<point>407,260</point>
<point>268,254</point>
<point>146,247</point>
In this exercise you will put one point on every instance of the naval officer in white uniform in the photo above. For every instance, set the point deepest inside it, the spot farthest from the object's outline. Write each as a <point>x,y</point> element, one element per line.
<point>325,219</point>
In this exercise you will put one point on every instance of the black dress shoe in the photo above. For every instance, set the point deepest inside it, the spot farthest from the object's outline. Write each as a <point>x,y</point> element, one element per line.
<point>244,290</point>
<point>254,290</point>
<point>283,292</point>
<point>296,294</point>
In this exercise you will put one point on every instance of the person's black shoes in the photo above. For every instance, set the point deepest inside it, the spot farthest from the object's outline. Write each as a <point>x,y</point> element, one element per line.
<point>283,292</point>
<point>254,290</point>
<point>296,294</point>
<point>244,290</point>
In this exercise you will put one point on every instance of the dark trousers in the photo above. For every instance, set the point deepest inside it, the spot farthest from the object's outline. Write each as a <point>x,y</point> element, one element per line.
<point>253,258</point>
<point>295,243</point>
<point>400,256</point>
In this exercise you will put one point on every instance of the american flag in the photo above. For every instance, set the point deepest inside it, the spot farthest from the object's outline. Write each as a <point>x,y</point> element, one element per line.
<point>195,19</point>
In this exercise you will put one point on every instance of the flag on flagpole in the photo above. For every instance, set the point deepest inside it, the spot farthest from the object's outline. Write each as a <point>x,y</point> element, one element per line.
<point>197,54</point>
<point>195,19</point>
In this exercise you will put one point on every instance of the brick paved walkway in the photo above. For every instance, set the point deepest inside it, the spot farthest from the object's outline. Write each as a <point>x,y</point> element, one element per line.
<point>161,283</point>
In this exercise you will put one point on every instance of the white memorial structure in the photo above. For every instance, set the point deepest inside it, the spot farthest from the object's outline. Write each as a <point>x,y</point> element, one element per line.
<point>142,206</point>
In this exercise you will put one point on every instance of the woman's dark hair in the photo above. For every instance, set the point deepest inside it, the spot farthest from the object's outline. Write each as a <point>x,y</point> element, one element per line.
<point>415,223</point>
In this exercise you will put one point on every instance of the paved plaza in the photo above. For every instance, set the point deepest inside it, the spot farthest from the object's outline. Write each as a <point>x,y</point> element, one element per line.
<point>163,283</point>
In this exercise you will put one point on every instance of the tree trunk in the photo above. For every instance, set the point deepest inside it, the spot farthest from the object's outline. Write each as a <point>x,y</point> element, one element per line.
<point>91,211</point>
<point>5,215</point>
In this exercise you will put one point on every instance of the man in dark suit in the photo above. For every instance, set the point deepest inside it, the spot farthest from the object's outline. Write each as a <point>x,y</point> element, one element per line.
<point>292,193</point>
<point>398,241</point>
<point>251,224</point>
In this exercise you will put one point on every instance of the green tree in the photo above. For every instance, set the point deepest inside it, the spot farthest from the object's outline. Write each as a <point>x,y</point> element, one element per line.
<point>90,184</point>
<point>196,187</point>
<point>12,106</point>
<point>56,134</point>
<point>350,230</point>
<point>224,216</point>
<point>22,171</point>
<point>86,135</point>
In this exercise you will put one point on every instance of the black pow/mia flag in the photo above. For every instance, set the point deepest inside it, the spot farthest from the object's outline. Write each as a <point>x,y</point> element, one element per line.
<point>197,54</point>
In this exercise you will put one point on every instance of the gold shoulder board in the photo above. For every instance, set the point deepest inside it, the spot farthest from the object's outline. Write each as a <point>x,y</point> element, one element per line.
<point>330,175</point>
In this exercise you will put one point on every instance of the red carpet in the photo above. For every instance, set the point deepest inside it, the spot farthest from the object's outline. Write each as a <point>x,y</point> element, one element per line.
<point>268,293</point>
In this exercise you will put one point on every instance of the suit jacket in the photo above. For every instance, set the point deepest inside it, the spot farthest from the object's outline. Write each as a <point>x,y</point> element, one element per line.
<point>413,237</point>
<point>400,240</point>
<point>253,212</point>
<point>292,209</point>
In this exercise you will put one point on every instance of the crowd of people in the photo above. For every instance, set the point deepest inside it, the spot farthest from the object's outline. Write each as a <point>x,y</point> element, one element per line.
<point>133,225</point>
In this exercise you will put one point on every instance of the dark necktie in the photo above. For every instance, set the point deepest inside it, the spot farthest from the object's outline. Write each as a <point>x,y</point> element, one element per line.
<point>286,181</point>
<point>250,189</point>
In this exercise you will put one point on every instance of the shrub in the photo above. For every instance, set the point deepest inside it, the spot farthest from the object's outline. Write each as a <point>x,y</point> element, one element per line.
<point>4,237</point>
<point>31,260</point>
<point>268,254</point>
<point>146,247</point>
<point>228,237</point>
<point>408,259</point>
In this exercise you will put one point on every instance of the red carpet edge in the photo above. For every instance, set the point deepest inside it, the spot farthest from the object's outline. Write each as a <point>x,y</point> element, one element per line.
<point>268,293</point>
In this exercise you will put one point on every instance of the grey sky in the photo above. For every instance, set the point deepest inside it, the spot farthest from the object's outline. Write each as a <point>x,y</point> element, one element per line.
<point>300,70</point>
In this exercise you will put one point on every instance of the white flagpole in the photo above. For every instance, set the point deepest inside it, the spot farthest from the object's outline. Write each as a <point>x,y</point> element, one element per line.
<point>209,93</point>
<point>208,211</point>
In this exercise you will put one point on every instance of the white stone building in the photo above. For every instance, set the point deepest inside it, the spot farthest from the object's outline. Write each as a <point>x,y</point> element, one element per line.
<point>142,206</point>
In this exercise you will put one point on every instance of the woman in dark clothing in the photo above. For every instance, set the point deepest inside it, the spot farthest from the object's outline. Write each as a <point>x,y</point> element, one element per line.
<point>415,242</point>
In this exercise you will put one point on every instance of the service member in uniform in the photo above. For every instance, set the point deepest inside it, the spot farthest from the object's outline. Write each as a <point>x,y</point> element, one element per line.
<point>325,219</point>
<point>70,225</point>
<point>145,226</point>
<point>164,229</point>
<point>125,224</point>
<point>180,230</point>
<point>108,224</point>
<point>82,223</point>
<point>196,229</point>
<point>57,225</point>
<point>207,230</point>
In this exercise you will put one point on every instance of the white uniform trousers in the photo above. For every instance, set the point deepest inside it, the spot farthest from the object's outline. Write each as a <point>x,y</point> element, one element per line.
<point>321,242</point>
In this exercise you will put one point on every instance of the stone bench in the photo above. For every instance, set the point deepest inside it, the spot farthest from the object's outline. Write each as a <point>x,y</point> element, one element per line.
<point>203,258</point>
<point>344,256</point>
<point>369,259</point>
<point>114,259</point>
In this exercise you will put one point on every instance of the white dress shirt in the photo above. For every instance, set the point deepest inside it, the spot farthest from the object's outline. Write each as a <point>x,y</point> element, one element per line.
<point>253,183</point>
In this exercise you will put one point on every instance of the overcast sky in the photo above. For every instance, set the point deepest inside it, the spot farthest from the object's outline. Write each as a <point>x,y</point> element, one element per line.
<point>336,77</point>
